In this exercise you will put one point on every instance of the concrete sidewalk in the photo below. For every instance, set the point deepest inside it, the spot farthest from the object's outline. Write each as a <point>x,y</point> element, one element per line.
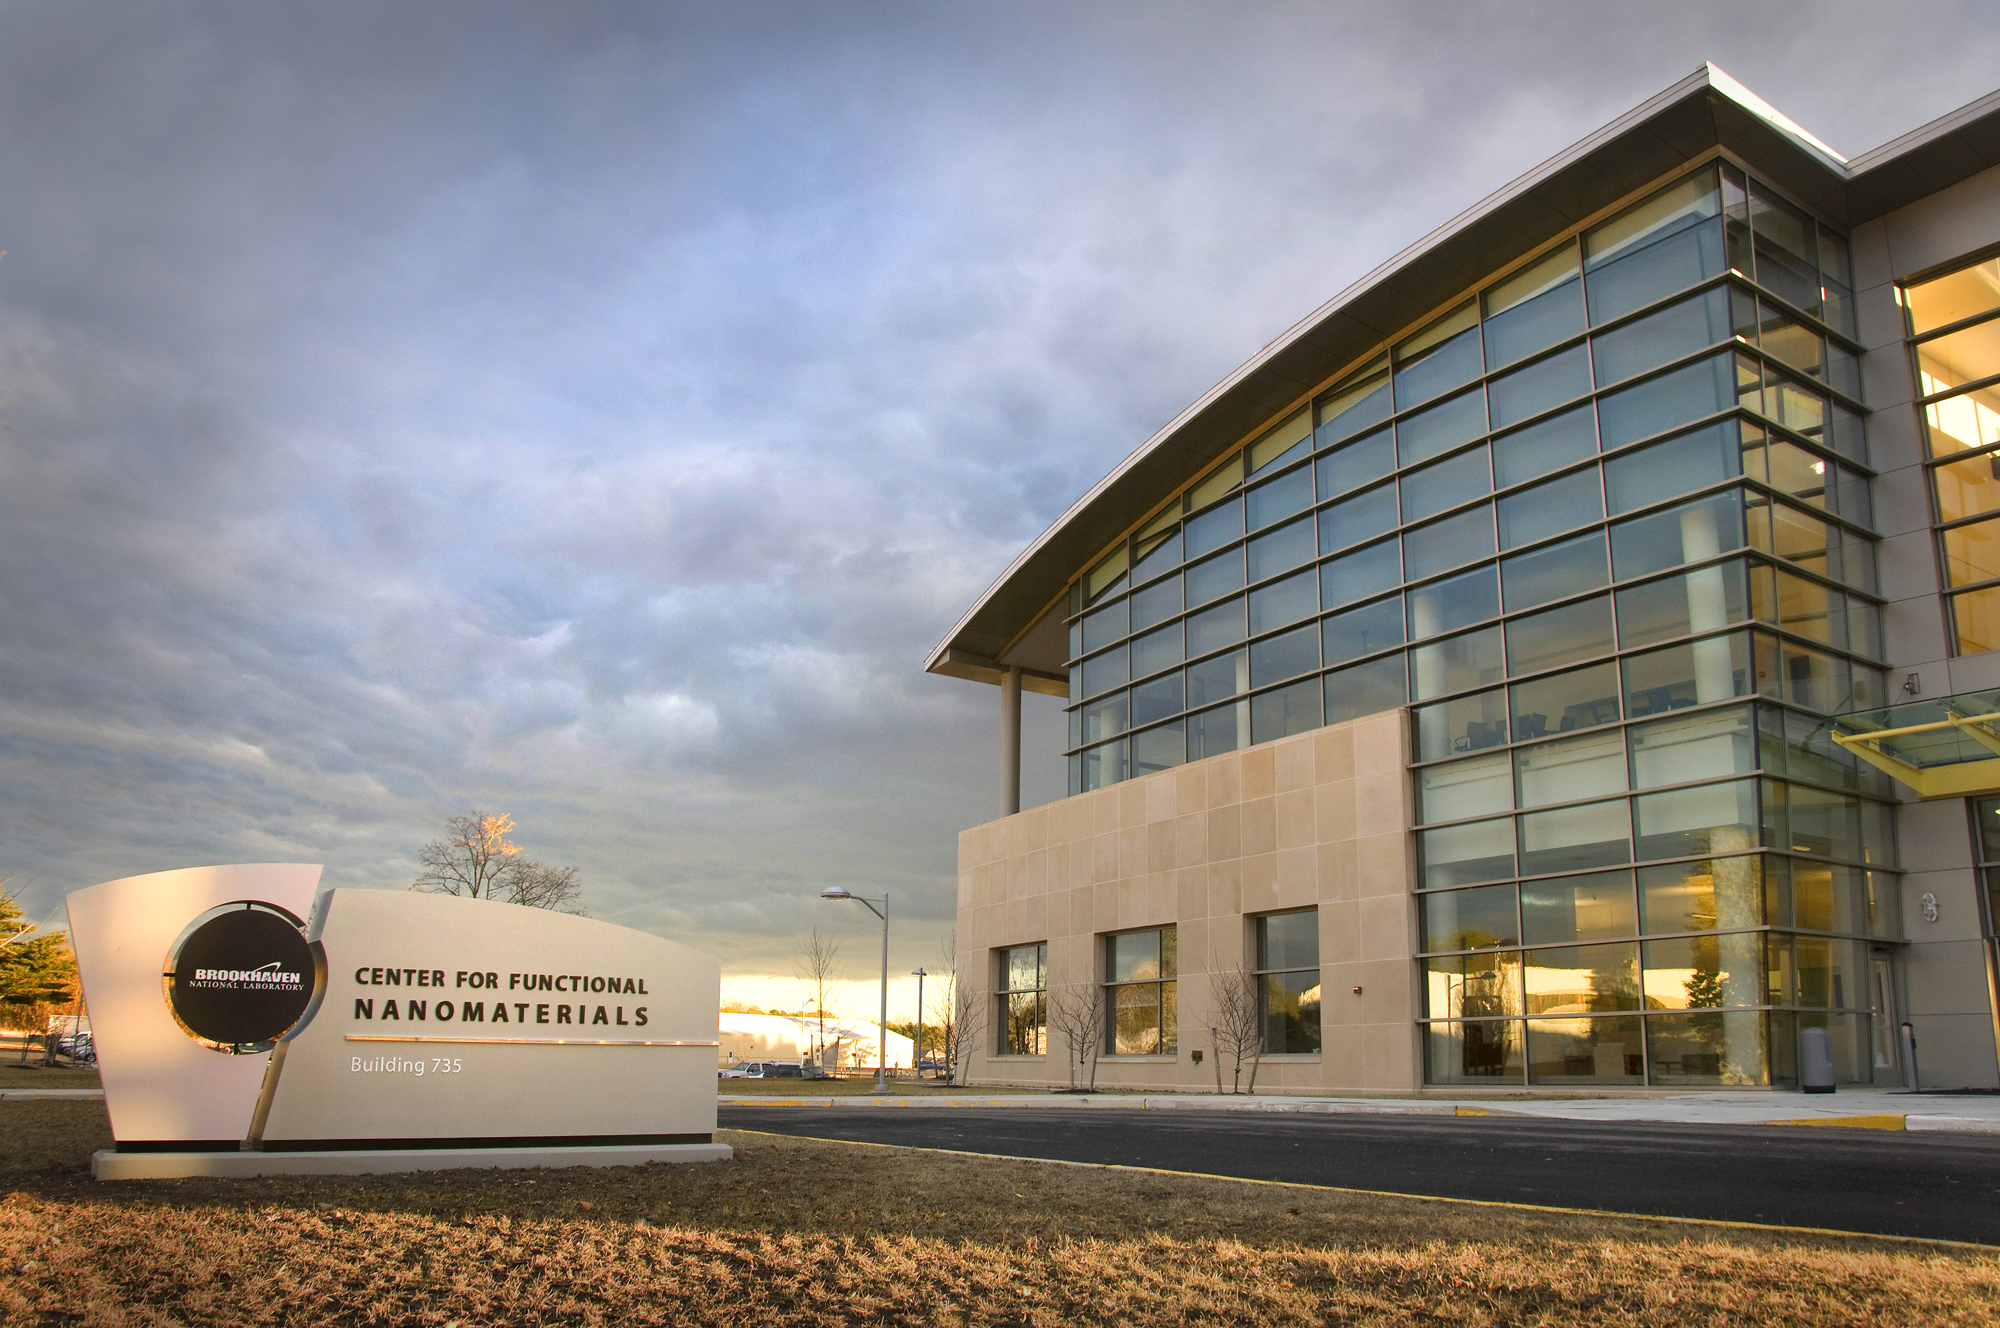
<point>31,1094</point>
<point>1861,1108</point>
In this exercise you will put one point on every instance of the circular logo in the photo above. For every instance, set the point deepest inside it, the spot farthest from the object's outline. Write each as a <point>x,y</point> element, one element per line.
<point>241,977</point>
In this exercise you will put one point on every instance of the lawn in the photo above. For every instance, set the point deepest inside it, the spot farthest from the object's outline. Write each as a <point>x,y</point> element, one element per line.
<point>801,1232</point>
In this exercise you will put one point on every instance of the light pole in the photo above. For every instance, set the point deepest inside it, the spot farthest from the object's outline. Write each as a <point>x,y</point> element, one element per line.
<point>882,1028</point>
<point>917,1057</point>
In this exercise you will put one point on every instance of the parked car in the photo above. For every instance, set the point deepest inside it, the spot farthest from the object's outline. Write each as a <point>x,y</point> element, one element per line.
<point>761,1070</point>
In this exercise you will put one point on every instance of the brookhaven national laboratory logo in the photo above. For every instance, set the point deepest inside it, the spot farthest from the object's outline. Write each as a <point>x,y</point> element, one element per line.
<point>241,977</point>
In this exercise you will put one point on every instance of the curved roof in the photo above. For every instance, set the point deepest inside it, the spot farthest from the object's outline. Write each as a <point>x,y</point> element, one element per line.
<point>1008,624</point>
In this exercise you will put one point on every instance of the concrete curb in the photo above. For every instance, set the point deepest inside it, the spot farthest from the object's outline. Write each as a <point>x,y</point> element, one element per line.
<point>69,1094</point>
<point>1177,1102</point>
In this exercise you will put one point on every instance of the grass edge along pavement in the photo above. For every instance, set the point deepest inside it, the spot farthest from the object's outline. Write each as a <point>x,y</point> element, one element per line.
<point>808,1231</point>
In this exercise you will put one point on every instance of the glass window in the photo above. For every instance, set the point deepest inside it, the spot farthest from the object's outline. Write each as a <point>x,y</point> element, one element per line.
<point>1536,307</point>
<point>1681,605</point>
<point>1968,488</point>
<point>1571,769</point>
<point>1826,897</point>
<point>1283,602</point>
<point>1104,626</point>
<point>1158,699</point>
<point>1268,504</point>
<point>1707,895</point>
<point>1530,391</point>
<point>1567,909</point>
<point>1696,673</point>
<point>1106,577</point>
<point>1972,553</point>
<point>1568,839</point>
<point>1106,765</point>
<point>1787,340</point>
<point>1693,460</point>
<point>1214,528</point>
<point>1104,718</point>
<point>1156,603</point>
<point>1686,823</point>
<point>1656,405</point>
<point>1685,534</point>
<point>1358,518</point>
<point>1459,790</point>
<point>1438,429</point>
<point>1560,636</point>
<point>1601,1051</point>
<point>1467,854</point>
<point>1226,478</point>
<point>1787,258</point>
<point>1442,356</point>
<point>1654,248</point>
<point>1969,420</point>
<point>1556,572</point>
<point>1140,993</point>
<point>1652,341</point>
<point>1023,1000</point>
<point>1452,542</point>
<point>1685,748</point>
<point>1455,664</point>
<point>1285,443</point>
<point>1281,550</point>
<point>1105,671</point>
<point>1975,619</point>
<point>1214,679</point>
<point>1473,986</point>
<point>1541,449</point>
<point>1360,462</point>
<point>1217,577</point>
<point>1704,972</point>
<point>1156,650</point>
<point>1445,485</point>
<point>1455,602</point>
<point>1482,1052</point>
<point>1157,547</point>
<point>1464,724</point>
<point>1363,631</point>
<point>1357,575</point>
<point>1211,629</point>
<point>1288,982</point>
<point>1579,699</point>
<point>1158,749</point>
<point>1549,509</point>
<point>1286,655</point>
<point>1365,689</point>
<point>1707,1048</point>
<point>1475,919</point>
<point>1359,401</point>
<point>1284,711</point>
<point>1954,297</point>
<point>1582,979</point>
<point>1213,732</point>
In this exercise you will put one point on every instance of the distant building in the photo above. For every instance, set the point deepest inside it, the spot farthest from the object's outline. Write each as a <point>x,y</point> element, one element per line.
<point>841,1044</point>
<point>1488,667</point>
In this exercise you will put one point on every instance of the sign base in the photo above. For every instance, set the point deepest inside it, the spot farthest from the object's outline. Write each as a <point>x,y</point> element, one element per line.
<point>108,1164</point>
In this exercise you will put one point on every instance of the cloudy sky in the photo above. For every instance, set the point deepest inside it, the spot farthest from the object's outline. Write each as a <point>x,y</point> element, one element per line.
<point>595,412</point>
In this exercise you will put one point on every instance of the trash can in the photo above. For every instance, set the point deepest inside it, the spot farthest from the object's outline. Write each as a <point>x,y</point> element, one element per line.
<point>1815,1060</point>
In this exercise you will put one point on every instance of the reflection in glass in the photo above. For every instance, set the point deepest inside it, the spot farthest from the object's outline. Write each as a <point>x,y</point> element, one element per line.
<point>1473,986</point>
<point>1159,748</point>
<point>1357,518</point>
<point>1360,462</point>
<point>1215,578</point>
<point>1544,448</point>
<point>1597,907</point>
<point>1467,854</point>
<point>1437,429</point>
<point>1711,1047</point>
<point>1283,602</point>
<point>1535,308</point>
<point>1285,443</point>
<point>1286,655</point>
<point>1456,664</point>
<point>1156,604</point>
<point>1156,650</point>
<point>1104,719</point>
<point>1268,504</point>
<point>1583,1052</point>
<point>1449,543</point>
<point>1439,358</point>
<point>1571,769</point>
<point>1677,330</point>
<point>1706,895</point>
<point>1570,839</point>
<point>1455,602</point>
<point>1446,484</point>
<point>1715,818</point>
<point>1473,1053</point>
<point>1578,699</point>
<point>1539,386</point>
<point>1712,744</point>
<point>1363,631</point>
<point>1713,669</point>
<point>1686,534</point>
<point>1669,241</point>
<point>1692,460</point>
<point>1357,575</point>
<point>1357,402</point>
<point>1582,979</point>
<point>1284,711</point>
<point>1475,919</point>
<point>1462,789</point>
<point>1555,637</point>
<point>1555,572</point>
<point>1213,528</point>
<point>1217,679</point>
<point>1464,724</point>
<point>1549,509</point>
<point>1211,629</point>
<point>1658,404</point>
<point>1365,689</point>
<point>1704,972</point>
<point>1681,605</point>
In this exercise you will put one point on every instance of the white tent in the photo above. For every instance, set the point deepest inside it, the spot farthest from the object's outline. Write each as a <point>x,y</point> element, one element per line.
<point>849,1043</point>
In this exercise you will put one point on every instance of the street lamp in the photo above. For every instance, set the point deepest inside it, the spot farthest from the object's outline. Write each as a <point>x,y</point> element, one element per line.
<point>917,1057</point>
<point>882,1028</point>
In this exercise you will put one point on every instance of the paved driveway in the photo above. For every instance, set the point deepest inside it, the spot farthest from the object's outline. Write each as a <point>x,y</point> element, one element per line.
<point>1936,1185</point>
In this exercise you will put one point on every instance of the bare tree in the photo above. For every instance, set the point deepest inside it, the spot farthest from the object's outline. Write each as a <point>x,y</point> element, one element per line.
<point>1238,1031</point>
<point>817,969</point>
<point>476,860</point>
<point>1076,1014</point>
<point>955,1012</point>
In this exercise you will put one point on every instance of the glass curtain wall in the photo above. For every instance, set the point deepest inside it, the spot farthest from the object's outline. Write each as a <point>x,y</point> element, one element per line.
<point>1954,325</point>
<point>1023,1000</point>
<point>1650,433</point>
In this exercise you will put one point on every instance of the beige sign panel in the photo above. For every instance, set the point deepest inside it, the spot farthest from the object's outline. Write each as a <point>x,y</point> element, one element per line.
<point>162,1084</point>
<point>233,1007</point>
<point>448,1019</point>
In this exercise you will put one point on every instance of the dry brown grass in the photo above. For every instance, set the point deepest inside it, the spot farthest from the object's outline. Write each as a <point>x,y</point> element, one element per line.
<point>35,1076</point>
<point>802,1232</point>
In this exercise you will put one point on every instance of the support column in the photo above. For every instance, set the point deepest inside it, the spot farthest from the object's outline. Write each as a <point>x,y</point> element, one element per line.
<point>1010,741</point>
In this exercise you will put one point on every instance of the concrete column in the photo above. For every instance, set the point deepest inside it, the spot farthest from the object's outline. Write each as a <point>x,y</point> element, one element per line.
<point>1010,741</point>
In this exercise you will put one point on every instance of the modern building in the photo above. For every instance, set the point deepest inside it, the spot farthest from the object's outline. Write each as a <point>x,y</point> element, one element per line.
<point>1568,657</point>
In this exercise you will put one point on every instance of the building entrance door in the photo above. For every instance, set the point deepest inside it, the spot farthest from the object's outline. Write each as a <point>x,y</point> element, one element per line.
<point>1882,1012</point>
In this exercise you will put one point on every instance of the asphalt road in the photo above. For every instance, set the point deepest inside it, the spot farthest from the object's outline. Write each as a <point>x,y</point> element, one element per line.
<point>1934,1185</point>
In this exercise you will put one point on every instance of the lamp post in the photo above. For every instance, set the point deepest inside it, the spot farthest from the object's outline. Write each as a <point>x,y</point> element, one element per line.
<point>917,1057</point>
<point>881,1028</point>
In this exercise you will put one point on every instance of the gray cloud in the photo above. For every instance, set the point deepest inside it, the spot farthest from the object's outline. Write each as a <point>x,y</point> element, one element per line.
<point>595,413</point>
